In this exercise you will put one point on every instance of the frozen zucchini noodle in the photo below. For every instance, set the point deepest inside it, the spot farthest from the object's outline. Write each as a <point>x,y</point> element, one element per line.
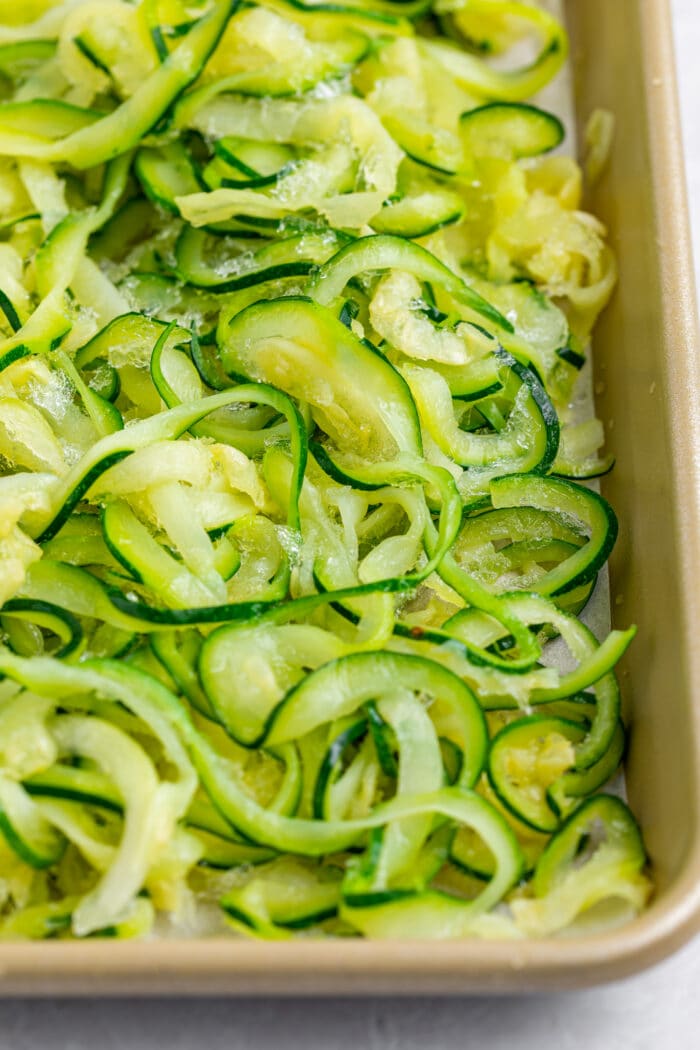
<point>294,307</point>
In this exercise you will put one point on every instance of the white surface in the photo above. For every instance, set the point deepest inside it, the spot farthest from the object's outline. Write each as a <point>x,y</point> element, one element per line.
<point>657,1011</point>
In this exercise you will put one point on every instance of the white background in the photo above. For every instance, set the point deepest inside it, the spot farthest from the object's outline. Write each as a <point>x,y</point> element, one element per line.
<point>657,1011</point>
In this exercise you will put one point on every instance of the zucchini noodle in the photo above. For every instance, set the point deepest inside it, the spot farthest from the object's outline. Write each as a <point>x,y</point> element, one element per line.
<point>295,302</point>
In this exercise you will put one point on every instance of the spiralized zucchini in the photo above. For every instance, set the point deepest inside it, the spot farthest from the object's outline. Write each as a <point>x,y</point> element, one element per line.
<point>294,312</point>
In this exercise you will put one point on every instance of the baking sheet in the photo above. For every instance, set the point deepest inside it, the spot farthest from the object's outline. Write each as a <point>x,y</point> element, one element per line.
<point>623,59</point>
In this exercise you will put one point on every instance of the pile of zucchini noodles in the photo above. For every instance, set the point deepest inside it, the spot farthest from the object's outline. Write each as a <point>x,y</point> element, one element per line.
<point>294,303</point>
